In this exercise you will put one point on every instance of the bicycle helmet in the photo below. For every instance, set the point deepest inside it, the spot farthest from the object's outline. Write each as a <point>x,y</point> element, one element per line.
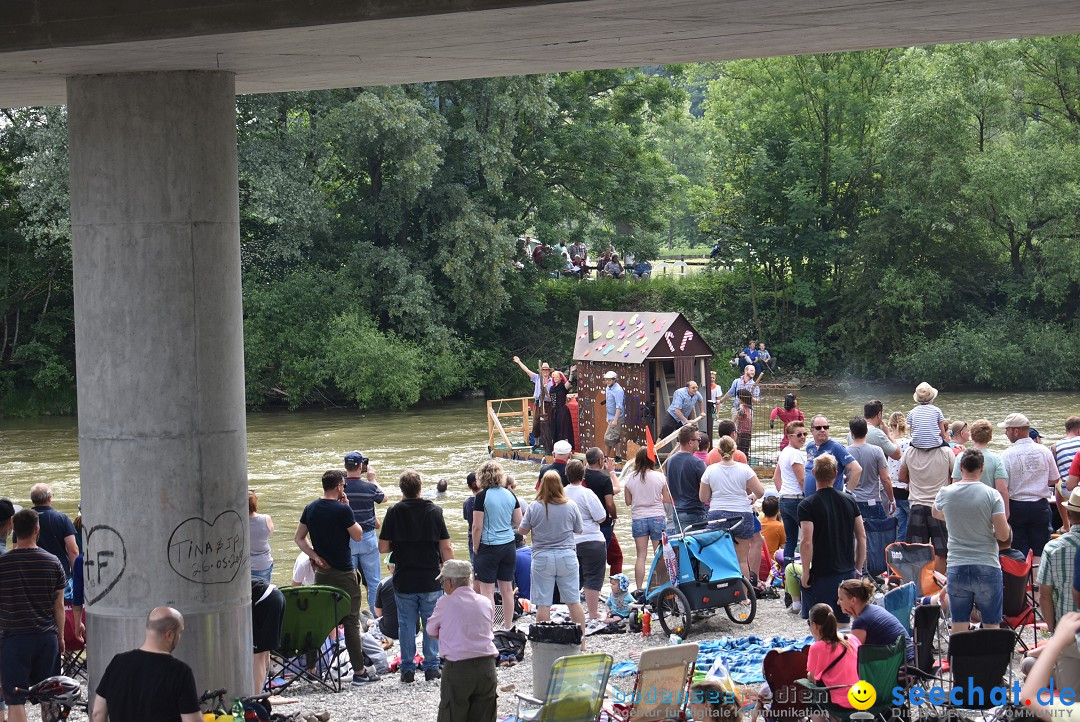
<point>58,689</point>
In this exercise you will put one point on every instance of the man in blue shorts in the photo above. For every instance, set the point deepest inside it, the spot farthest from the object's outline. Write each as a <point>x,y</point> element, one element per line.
<point>31,613</point>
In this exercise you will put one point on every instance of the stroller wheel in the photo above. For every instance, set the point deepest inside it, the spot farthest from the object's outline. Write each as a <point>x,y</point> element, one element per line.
<point>674,611</point>
<point>742,612</point>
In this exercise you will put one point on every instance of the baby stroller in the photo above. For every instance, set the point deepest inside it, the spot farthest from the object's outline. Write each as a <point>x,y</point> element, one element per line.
<point>697,570</point>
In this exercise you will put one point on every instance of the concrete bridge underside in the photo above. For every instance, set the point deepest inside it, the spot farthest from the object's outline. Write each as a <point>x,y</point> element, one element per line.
<point>278,45</point>
<point>150,89</point>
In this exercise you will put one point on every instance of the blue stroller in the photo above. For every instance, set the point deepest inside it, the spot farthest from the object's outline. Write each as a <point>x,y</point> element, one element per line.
<point>697,570</point>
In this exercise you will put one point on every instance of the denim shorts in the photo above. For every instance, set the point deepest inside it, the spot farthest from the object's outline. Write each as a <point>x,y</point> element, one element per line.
<point>651,527</point>
<point>977,585</point>
<point>551,567</point>
<point>744,530</point>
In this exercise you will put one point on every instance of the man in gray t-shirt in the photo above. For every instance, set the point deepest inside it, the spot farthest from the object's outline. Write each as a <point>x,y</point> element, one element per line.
<point>875,474</point>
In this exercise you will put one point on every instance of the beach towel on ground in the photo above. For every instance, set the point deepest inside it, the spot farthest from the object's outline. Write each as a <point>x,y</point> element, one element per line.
<point>743,656</point>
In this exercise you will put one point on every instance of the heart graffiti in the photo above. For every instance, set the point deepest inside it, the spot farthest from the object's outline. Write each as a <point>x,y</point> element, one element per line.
<point>104,561</point>
<point>209,552</point>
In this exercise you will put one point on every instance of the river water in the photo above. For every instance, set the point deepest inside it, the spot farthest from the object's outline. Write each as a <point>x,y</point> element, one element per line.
<point>287,452</point>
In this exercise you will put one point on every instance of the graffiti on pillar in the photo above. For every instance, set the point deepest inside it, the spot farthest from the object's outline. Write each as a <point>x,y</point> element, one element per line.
<point>209,552</point>
<point>104,561</point>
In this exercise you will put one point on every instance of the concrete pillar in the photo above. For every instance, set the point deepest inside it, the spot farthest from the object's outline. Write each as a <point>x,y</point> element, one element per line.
<point>160,365</point>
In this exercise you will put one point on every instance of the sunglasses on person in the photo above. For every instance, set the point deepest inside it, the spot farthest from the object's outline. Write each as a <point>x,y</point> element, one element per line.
<point>800,435</point>
<point>821,428</point>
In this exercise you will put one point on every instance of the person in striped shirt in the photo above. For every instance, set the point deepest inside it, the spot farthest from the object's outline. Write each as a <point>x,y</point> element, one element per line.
<point>1064,452</point>
<point>926,421</point>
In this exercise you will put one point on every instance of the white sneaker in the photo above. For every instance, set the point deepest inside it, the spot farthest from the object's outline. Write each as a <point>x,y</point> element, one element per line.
<point>796,607</point>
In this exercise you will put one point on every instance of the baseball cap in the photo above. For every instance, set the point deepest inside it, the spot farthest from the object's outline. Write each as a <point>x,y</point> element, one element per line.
<point>562,447</point>
<point>455,569</point>
<point>1034,434</point>
<point>354,458</point>
<point>611,375</point>
<point>1013,421</point>
<point>8,510</point>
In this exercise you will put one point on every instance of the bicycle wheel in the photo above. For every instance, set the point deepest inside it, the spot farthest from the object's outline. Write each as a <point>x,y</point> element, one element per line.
<point>673,608</point>
<point>743,612</point>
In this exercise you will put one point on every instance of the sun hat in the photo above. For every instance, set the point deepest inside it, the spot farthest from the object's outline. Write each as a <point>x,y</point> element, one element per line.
<point>1014,421</point>
<point>924,393</point>
<point>1073,502</point>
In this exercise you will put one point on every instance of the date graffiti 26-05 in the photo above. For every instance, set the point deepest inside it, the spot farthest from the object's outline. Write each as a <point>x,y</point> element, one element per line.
<point>209,552</point>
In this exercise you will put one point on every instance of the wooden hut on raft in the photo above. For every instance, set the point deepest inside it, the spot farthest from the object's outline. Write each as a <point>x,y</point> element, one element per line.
<point>654,354</point>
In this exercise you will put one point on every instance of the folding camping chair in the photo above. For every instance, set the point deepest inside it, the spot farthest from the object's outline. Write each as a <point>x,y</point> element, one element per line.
<point>912,563</point>
<point>899,603</point>
<point>312,614</point>
<point>73,660</point>
<point>879,665</point>
<point>782,671</point>
<point>880,533</point>
<point>575,692</point>
<point>924,635</point>
<point>662,685</point>
<point>978,661</point>
<point>1018,599</point>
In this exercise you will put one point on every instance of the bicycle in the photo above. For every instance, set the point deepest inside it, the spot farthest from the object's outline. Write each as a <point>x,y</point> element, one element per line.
<point>57,695</point>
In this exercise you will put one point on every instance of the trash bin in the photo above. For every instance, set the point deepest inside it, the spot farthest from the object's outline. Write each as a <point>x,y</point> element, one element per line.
<point>549,641</point>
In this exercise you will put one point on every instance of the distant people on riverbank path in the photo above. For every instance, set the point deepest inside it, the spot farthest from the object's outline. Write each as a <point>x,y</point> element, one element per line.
<point>790,412</point>
<point>1032,471</point>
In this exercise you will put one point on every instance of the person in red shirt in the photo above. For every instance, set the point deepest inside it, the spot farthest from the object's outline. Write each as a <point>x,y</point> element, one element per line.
<point>789,413</point>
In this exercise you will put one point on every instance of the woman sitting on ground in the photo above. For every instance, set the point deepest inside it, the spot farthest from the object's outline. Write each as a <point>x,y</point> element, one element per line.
<point>870,624</point>
<point>833,660</point>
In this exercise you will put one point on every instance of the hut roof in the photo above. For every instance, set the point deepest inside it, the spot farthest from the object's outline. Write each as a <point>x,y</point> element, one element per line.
<point>634,336</point>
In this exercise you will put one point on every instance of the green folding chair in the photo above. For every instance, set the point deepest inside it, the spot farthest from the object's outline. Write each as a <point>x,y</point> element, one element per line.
<point>574,694</point>
<point>880,666</point>
<point>310,649</point>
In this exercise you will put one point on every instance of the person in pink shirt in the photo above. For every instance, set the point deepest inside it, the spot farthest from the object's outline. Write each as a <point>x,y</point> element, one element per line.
<point>462,623</point>
<point>833,660</point>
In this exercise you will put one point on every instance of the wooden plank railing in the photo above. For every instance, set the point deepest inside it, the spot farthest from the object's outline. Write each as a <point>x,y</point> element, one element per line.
<point>520,409</point>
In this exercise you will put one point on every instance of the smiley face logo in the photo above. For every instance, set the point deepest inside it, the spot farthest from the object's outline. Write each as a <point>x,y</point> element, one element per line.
<point>862,695</point>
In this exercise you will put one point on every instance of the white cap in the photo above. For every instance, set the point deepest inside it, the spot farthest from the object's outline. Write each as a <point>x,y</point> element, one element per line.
<point>1013,421</point>
<point>611,375</point>
<point>562,448</point>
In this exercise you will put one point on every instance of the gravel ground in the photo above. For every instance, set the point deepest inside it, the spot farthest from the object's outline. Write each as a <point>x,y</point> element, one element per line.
<point>393,701</point>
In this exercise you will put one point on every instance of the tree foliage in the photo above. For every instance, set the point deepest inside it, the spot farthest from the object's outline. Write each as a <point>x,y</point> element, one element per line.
<point>867,210</point>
